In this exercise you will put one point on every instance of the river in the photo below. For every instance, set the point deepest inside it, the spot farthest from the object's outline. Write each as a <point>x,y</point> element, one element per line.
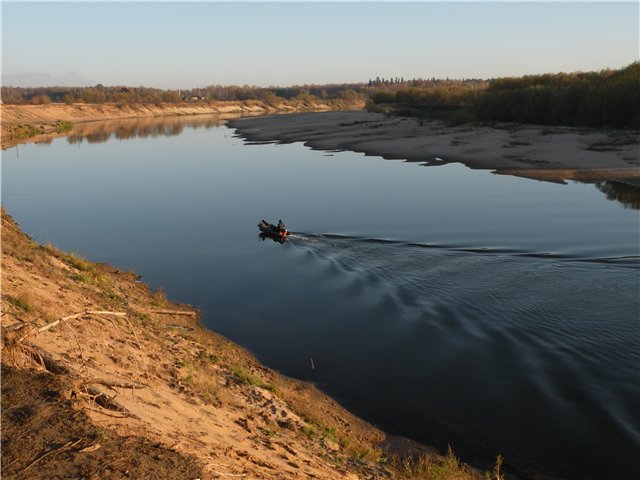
<point>491,313</point>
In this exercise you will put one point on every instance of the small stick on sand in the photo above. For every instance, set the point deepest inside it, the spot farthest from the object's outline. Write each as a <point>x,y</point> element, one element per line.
<point>114,384</point>
<point>64,447</point>
<point>174,312</point>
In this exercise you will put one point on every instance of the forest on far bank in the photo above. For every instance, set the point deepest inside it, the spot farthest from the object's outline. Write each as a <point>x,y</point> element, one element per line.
<point>591,99</point>
<point>587,99</point>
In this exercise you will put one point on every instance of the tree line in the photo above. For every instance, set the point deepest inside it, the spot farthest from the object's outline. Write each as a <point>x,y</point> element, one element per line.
<point>591,99</point>
<point>430,92</point>
<point>604,98</point>
<point>608,97</point>
<point>140,95</point>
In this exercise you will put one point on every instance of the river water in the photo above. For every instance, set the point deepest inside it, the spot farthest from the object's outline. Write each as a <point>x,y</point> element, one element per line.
<point>491,313</point>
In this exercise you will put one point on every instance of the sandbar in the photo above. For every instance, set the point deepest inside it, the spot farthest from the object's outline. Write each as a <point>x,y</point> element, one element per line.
<point>554,154</point>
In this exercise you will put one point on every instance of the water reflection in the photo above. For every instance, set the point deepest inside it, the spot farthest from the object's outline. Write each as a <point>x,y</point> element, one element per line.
<point>483,323</point>
<point>280,240</point>
<point>100,132</point>
<point>627,195</point>
<point>152,127</point>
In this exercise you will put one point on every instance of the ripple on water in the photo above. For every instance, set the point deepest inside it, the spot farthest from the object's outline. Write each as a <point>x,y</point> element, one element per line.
<point>540,341</point>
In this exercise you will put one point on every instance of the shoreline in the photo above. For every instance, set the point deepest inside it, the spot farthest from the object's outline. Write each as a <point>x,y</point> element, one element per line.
<point>553,154</point>
<point>395,444</point>
<point>162,377</point>
<point>133,366</point>
<point>41,119</point>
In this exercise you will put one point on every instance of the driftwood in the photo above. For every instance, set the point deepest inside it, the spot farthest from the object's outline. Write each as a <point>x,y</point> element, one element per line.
<point>67,446</point>
<point>17,326</point>
<point>114,384</point>
<point>90,448</point>
<point>84,386</point>
<point>174,312</point>
<point>70,317</point>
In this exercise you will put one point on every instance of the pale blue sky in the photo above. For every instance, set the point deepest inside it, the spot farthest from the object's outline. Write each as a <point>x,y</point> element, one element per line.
<point>181,45</point>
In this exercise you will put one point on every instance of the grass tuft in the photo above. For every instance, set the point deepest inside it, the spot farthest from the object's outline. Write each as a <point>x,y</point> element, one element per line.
<point>22,302</point>
<point>496,474</point>
<point>159,298</point>
<point>204,356</point>
<point>249,379</point>
<point>90,273</point>
<point>78,262</point>
<point>429,467</point>
<point>310,431</point>
<point>204,382</point>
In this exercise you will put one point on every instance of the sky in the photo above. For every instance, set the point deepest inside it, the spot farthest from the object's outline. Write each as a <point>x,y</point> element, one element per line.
<point>187,45</point>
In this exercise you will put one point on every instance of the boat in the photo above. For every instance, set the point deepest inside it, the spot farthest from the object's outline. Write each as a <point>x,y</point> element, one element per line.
<point>277,233</point>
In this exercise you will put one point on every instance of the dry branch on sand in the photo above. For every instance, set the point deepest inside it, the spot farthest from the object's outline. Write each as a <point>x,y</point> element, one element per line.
<point>67,446</point>
<point>21,352</point>
<point>174,312</point>
<point>113,384</point>
<point>48,326</point>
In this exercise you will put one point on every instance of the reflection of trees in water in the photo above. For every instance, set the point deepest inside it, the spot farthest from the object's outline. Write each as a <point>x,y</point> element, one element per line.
<point>144,131</point>
<point>138,128</point>
<point>627,195</point>
<point>98,137</point>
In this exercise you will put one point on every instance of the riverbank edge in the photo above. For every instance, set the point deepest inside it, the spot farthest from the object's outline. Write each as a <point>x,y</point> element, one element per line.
<point>553,154</point>
<point>35,123</point>
<point>41,284</point>
<point>206,380</point>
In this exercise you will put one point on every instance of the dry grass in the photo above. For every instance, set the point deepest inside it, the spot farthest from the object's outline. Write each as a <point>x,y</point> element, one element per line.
<point>430,467</point>
<point>204,381</point>
<point>87,272</point>
<point>23,301</point>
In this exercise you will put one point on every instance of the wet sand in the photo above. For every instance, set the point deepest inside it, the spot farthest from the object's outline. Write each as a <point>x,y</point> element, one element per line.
<point>551,154</point>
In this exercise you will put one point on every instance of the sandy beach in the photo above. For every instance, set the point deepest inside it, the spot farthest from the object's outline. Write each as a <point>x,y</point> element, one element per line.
<point>552,154</point>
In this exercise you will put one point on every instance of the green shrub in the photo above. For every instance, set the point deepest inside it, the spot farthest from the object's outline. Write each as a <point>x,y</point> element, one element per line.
<point>62,127</point>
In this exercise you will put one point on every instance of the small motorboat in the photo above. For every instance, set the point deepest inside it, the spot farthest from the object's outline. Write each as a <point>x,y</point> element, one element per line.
<point>277,233</point>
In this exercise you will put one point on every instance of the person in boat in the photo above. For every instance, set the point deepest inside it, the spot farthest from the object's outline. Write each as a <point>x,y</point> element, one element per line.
<point>279,230</point>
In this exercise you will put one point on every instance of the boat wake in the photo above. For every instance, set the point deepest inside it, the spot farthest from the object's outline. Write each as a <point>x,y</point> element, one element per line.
<point>340,241</point>
<point>556,334</point>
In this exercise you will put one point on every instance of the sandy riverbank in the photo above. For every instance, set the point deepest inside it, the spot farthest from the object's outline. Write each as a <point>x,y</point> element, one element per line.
<point>128,384</point>
<point>43,117</point>
<point>169,386</point>
<point>544,153</point>
<point>101,130</point>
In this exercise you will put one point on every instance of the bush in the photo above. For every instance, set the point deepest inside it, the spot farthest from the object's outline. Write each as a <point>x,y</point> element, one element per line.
<point>62,127</point>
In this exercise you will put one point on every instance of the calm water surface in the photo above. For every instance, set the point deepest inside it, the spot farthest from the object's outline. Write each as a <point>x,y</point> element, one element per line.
<point>492,313</point>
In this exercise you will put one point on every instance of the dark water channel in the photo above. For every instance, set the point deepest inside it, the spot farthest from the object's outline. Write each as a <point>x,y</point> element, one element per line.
<point>492,313</point>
